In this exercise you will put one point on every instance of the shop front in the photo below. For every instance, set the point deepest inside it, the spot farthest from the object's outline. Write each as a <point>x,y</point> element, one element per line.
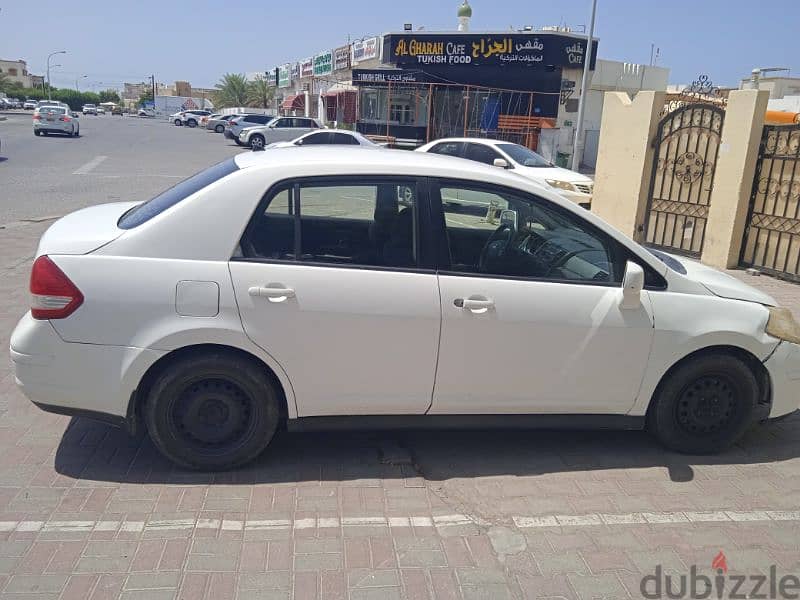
<point>436,85</point>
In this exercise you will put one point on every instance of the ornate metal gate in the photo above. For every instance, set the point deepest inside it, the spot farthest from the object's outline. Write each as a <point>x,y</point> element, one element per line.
<point>686,147</point>
<point>772,235</point>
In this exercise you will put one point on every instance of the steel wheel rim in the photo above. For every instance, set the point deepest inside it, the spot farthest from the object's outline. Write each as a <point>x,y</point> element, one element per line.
<point>707,405</point>
<point>212,416</point>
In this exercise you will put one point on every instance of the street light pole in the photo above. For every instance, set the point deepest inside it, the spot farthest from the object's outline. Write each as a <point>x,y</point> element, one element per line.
<point>78,79</point>
<point>577,147</point>
<point>49,56</point>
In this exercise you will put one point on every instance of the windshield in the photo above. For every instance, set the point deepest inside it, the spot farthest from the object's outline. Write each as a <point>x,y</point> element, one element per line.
<point>146,211</point>
<point>524,156</point>
<point>668,260</point>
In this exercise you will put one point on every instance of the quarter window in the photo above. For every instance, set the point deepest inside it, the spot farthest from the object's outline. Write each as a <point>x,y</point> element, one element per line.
<point>494,232</point>
<point>448,148</point>
<point>343,223</point>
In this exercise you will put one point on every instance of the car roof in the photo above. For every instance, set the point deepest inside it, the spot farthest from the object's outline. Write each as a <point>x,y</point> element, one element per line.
<point>485,141</point>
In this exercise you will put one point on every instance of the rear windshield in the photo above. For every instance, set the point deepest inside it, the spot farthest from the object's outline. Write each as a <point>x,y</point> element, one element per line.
<point>146,211</point>
<point>56,110</point>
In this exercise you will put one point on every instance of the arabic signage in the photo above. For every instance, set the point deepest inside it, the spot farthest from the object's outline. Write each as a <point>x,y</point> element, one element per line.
<point>294,71</point>
<point>385,76</point>
<point>307,67</point>
<point>541,48</point>
<point>365,50</point>
<point>341,58</point>
<point>284,76</point>
<point>323,63</point>
<point>272,77</point>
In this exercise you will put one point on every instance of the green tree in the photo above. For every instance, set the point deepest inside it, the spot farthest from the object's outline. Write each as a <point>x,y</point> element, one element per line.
<point>231,91</point>
<point>111,96</point>
<point>5,83</point>
<point>260,93</point>
<point>146,96</point>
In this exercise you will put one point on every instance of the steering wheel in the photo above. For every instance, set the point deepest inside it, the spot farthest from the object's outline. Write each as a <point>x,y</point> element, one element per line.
<point>561,260</point>
<point>497,245</point>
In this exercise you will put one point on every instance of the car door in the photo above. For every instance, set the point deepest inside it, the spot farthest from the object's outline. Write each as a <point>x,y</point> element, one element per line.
<point>333,286</point>
<point>281,131</point>
<point>531,315</point>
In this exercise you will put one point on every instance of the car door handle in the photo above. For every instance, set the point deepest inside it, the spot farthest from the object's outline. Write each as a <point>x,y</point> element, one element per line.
<point>476,305</point>
<point>275,294</point>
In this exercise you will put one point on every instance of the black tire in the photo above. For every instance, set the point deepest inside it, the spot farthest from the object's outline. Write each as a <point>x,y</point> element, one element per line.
<point>177,122</point>
<point>219,128</point>
<point>213,411</point>
<point>37,133</point>
<point>191,123</point>
<point>705,405</point>
<point>257,141</point>
<point>238,143</point>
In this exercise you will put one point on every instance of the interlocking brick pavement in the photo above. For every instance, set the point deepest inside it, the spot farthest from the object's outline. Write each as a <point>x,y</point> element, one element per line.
<point>88,513</point>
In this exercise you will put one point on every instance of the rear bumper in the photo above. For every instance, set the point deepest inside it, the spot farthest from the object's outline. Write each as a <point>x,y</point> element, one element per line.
<point>53,128</point>
<point>76,379</point>
<point>783,366</point>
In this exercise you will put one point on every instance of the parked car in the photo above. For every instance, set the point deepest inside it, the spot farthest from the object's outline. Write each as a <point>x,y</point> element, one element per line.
<point>191,118</point>
<point>146,112</point>
<point>89,109</point>
<point>234,126</point>
<point>101,110</point>
<point>29,105</point>
<point>116,110</point>
<point>5,104</point>
<point>55,119</point>
<point>548,317</point>
<point>177,118</point>
<point>217,123</point>
<point>340,137</point>
<point>281,129</point>
<point>521,160</point>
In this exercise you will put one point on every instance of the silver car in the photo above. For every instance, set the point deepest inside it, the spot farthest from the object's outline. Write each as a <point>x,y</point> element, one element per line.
<point>55,119</point>
<point>282,129</point>
<point>216,123</point>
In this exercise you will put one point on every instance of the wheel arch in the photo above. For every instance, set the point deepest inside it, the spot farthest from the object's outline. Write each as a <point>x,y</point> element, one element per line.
<point>133,417</point>
<point>751,360</point>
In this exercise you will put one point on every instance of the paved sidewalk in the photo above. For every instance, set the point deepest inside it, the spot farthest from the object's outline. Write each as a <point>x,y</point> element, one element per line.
<point>86,512</point>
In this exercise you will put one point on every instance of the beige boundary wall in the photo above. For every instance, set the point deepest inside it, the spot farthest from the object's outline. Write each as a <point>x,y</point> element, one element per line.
<point>625,163</point>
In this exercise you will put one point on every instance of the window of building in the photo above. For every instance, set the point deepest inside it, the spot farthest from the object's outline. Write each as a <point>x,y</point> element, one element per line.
<point>400,106</point>
<point>350,222</point>
<point>12,72</point>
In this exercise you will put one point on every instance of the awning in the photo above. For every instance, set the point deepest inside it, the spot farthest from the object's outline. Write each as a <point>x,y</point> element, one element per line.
<point>296,102</point>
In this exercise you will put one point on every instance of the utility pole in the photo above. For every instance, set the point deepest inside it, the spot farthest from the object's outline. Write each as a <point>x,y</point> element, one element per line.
<point>49,56</point>
<point>577,147</point>
<point>153,81</point>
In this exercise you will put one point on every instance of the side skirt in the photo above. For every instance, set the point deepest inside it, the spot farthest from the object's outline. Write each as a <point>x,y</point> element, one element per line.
<point>382,422</point>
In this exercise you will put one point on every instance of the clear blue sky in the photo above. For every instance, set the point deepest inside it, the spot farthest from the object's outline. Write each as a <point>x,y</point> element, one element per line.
<point>198,41</point>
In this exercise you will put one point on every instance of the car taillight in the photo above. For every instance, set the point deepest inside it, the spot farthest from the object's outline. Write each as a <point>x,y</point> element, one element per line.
<point>65,118</point>
<point>53,295</point>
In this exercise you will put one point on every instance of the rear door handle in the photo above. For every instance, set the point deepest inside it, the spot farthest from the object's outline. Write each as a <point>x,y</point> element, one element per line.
<point>475,304</point>
<point>275,293</point>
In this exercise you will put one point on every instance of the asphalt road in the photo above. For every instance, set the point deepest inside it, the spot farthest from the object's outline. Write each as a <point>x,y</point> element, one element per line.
<point>115,159</point>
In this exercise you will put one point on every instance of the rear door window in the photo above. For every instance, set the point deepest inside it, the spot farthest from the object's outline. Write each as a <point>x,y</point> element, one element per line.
<point>146,211</point>
<point>448,148</point>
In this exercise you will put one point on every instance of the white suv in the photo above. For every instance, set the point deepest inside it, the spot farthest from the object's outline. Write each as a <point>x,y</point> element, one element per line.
<point>281,129</point>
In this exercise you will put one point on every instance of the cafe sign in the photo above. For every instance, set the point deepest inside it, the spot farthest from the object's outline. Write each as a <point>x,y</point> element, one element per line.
<point>366,49</point>
<point>341,58</point>
<point>323,63</point>
<point>284,77</point>
<point>541,48</point>
<point>307,67</point>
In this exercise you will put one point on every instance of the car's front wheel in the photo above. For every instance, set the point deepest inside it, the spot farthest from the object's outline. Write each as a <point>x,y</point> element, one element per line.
<point>705,404</point>
<point>177,122</point>
<point>37,133</point>
<point>212,411</point>
<point>257,141</point>
<point>191,123</point>
<point>219,128</point>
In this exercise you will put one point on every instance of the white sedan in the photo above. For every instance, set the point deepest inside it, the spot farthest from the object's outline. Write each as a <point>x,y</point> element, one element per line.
<point>524,161</point>
<point>322,287</point>
<point>325,137</point>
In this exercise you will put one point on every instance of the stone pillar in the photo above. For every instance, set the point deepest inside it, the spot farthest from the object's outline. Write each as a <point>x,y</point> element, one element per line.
<point>733,177</point>
<point>625,159</point>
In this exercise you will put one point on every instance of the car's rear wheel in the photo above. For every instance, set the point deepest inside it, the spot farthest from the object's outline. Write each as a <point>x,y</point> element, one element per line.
<point>177,122</point>
<point>257,141</point>
<point>212,411</point>
<point>219,128</point>
<point>705,405</point>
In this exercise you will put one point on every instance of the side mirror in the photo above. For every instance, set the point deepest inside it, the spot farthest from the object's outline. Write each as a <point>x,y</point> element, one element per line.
<point>298,143</point>
<point>509,217</point>
<point>500,162</point>
<point>632,286</point>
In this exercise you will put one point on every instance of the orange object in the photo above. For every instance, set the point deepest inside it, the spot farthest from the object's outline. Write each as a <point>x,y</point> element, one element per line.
<point>781,117</point>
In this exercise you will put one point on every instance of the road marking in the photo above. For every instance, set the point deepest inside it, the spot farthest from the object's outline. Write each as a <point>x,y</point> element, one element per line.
<point>438,521</point>
<point>89,166</point>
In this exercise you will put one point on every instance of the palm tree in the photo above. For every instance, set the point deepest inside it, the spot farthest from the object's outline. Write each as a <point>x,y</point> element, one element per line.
<point>231,90</point>
<point>260,93</point>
